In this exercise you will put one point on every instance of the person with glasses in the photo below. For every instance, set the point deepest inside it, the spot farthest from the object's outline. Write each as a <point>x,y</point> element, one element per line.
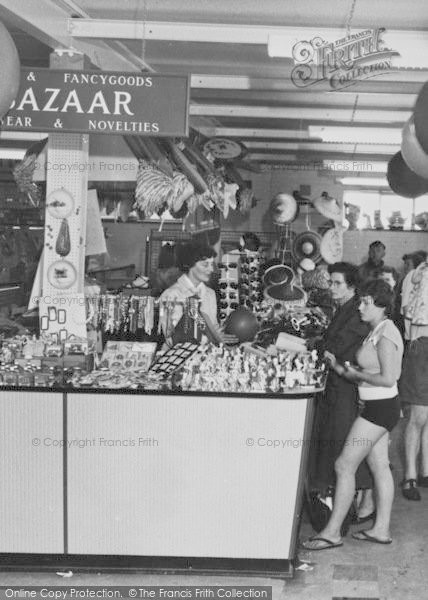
<point>196,262</point>
<point>338,407</point>
<point>377,370</point>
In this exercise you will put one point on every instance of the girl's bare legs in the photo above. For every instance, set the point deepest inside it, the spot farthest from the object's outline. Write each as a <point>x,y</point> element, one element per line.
<point>360,443</point>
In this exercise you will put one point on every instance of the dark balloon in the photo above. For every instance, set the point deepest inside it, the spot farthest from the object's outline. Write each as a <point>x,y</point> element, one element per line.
<point>243,324</point>
<point>402,180</point>
<point>421,117</point>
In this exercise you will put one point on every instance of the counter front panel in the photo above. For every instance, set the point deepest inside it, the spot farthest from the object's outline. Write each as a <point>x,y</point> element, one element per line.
<point>178,475</point>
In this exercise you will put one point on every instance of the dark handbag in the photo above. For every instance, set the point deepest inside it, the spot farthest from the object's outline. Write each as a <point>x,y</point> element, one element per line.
<point>319,512</point>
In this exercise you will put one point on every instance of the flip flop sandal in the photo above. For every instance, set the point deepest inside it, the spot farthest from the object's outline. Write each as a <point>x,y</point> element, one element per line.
<point>328,544</point>
<point>366,537</point>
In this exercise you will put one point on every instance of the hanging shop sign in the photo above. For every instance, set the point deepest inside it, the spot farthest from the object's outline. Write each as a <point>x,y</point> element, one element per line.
<point>100,102</point>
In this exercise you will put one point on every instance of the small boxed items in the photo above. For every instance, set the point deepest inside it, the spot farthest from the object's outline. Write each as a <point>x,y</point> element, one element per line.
<point>130,356</point>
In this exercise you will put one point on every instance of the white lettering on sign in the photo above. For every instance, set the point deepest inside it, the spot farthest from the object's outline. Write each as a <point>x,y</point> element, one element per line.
<point>98,101</point>
<point>28,98</point>
<point>125,126</point>
<point>105,79</point>
<point>48,106</point>
<point>122,99</point>
<point>12,121</point>
<point>72,102</point>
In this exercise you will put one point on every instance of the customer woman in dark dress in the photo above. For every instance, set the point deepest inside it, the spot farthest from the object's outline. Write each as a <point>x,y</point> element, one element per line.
<point>337,408</point>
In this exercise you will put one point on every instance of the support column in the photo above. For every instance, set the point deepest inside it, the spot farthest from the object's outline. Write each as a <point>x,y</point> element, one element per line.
<point>62,306</point>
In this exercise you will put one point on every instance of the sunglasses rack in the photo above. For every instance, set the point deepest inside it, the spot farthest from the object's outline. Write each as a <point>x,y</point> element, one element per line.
<point>228,284</point>
<point>250,286</point>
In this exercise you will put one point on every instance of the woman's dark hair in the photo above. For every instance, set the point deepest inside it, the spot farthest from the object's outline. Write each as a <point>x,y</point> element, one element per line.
<point>189,254</point>
<point>381,292</point>
<point>348,270</point>
<point>251,241</point>
<point>418,257</point>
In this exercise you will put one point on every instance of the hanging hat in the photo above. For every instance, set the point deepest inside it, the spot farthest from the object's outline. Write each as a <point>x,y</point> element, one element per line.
<point>284,209</point>
<point>414,156</point>
<point>306,245</point>
<point>421,220</point>
<point>332,245</point>
<point>278,275</point>
<point>317,279</point>
<point>287,292</point>
<point>328,207</point>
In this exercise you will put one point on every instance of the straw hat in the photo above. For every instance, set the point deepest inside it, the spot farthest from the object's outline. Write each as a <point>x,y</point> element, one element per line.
<point>332,245</point>
<point>328,207</point>
<point>284,209</point>
<point>306,245</point>
<point>278,275</point>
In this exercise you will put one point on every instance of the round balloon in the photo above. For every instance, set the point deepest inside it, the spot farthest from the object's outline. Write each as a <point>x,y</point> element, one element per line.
<point>243,324</point>
<point>421,117</point>
<point>9,70</point>
<point>402,180</point>
<point>414,156</point>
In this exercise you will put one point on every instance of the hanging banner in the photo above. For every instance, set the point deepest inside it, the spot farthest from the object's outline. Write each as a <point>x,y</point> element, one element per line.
<point>100,102</point>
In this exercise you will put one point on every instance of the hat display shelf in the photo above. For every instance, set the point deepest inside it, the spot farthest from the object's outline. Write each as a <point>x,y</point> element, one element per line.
<point>306,245</point>
<point>283,248</point>
<point>229,269</point>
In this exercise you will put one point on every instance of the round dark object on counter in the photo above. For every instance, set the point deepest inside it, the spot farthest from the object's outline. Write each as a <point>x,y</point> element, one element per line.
<point>243,324</point>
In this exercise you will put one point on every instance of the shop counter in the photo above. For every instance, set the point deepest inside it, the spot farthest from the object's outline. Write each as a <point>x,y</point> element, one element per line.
<point>148,480</point>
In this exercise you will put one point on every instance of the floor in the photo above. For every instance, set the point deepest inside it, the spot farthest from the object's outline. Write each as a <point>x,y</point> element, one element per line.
<point>358,570</point>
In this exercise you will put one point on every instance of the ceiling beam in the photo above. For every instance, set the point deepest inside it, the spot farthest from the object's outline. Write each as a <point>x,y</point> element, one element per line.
<point>243,133</point>
<point>361,148</point>
<point>301,113</point>
<point>280,40</point>
<point>46,21</point>
<point>403,81</point>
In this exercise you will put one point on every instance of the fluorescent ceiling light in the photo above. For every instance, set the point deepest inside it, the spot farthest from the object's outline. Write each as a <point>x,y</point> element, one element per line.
<point>356,166</point>
<point>356,135</point>
<point>12,153</point>
<point>364,181</point>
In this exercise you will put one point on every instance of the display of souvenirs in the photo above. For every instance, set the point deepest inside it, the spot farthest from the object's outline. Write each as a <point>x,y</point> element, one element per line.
<point>229,269</point>
<point>234,369</point>
<point>117,379</point>
<point>173,358</point>
<point>113,313</point>
<point>128,355</point>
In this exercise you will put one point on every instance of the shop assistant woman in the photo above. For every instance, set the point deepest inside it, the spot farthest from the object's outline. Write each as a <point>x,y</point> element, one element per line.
<point>196,262</point>
<point>379,366</point>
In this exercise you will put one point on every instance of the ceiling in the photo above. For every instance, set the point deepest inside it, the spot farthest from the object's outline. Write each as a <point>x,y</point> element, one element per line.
<point>239,91</point>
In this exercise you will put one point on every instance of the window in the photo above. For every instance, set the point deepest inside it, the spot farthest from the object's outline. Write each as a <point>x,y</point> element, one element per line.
<point>388,204</point>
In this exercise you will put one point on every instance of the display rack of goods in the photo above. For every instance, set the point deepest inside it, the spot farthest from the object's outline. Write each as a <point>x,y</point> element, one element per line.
<point>43,362</point>
<point>250,286</point>
<point>238,369</point>
<point>229,269</point>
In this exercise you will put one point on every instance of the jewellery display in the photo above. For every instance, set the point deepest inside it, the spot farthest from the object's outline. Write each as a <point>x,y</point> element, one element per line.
<point>250,289</point>
<point>228,284</point>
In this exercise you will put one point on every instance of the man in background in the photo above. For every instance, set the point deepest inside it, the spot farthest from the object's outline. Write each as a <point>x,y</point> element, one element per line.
<point>371,268</point>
